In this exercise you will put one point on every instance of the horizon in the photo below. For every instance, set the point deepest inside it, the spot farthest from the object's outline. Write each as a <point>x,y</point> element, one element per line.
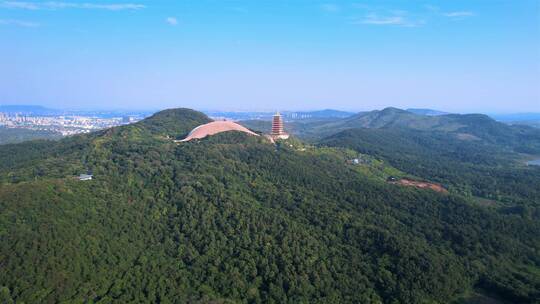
<point>155,110</point>
<point>459,57</point>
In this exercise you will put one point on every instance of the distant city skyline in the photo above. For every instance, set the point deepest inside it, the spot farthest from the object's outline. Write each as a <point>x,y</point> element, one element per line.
<point>456,56</point>
<point>213,111</point>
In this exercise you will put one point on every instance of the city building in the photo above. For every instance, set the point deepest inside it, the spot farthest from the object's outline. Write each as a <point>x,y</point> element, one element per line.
<point>127,119</point>
<point>277,128</point>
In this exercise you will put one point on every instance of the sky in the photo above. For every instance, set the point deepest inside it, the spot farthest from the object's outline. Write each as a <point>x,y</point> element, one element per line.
<point>458,55</point>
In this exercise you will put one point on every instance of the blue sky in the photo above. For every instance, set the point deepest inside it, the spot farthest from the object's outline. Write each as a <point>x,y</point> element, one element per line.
<point>461,56</point>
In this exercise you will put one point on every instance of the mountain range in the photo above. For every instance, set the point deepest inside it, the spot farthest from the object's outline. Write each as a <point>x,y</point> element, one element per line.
<point>428,112</point>
<point>236,219</point>
<point>27,109</point>
<point>467,127</point>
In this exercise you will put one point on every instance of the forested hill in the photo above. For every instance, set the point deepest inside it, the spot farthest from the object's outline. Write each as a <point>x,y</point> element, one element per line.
<point>16,135</point>
<point>470,168</point>
<point>235,219</point>
<point>464,127</point>
<point>174,122</point>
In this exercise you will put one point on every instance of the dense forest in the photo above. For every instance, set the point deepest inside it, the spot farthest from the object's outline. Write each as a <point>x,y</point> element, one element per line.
<point>16,135</point>
<point>470,168</point>
<point>235,219</point>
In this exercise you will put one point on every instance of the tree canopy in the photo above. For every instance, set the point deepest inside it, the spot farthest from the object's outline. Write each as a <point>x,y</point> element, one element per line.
<point>235,219</point>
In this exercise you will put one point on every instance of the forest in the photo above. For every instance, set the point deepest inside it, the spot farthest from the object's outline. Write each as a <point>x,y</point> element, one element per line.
<point>235,219</point>
<point>16,135</point>
<point>469,168</point>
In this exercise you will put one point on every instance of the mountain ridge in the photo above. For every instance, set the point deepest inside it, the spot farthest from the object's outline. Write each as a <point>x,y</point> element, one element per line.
<point>427,112</point>
<point>231,219</point>
<point>464,126</point>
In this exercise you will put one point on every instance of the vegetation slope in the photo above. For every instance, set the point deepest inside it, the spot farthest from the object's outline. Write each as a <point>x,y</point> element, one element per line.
<point>466,128</point>
<point>17,135</point>
<point>234,219</point>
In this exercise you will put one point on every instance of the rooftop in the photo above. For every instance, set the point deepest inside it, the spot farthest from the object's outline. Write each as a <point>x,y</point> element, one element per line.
<point>216,127</point>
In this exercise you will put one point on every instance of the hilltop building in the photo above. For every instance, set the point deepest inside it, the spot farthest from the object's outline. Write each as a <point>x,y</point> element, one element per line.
<point>220,126</point>
<point>277,128</point>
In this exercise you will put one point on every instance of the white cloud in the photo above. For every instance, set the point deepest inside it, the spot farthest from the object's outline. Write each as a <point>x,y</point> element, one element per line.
<point>397,19</point>
<point>19,5</point>
<point>52,5</point>
<point>377,20</point>
<point>18,23</point>
<point>362,6</point>
<point>383,16</point>
<point>330,7</point>
<point>432,8</point>
<point>171,21</point>
<point>111,7</point>
<point>459,14</point>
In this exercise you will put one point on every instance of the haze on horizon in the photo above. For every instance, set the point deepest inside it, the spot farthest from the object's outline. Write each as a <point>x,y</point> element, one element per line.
<point>458,56</point>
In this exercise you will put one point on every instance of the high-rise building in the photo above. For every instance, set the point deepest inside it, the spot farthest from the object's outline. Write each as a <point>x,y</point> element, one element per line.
<point>277,127</point>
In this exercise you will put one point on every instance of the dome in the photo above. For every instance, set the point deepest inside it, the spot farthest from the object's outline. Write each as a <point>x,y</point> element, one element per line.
<point>216,127</point>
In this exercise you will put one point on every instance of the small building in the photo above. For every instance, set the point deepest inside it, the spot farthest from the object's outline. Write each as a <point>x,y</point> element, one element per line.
<point>85,177</point>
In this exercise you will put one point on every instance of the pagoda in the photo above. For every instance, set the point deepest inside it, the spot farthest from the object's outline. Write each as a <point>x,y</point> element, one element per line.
<point>277,127</point>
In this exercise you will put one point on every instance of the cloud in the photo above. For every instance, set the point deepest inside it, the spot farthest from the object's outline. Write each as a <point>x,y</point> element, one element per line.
<point>362,6</point>
<point>432,8</point>
<point>52,5</point>
<point>330,7</point>
<point>18,23</point>
<point>383,16</point>
<point>19,5</point>
<point>110,7</point>
<point>377,20</point>
<point>396,19</point>
<point>459,14</point>
<point>172,21</point>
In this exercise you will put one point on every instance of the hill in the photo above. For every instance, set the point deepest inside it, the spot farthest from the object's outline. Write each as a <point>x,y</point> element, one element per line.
<point>466,127</point>
<point>16,135</point>
<point>528,119</point>
<point>470,168</point>
<point>27,109</point>
<point>234,219</point>
<point>428,112</point>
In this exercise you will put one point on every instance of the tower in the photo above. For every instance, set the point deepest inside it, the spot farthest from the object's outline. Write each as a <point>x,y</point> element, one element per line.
<point>277,127</point>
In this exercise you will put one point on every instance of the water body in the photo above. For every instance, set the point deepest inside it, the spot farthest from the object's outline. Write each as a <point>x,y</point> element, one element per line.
<point>534,162</point>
